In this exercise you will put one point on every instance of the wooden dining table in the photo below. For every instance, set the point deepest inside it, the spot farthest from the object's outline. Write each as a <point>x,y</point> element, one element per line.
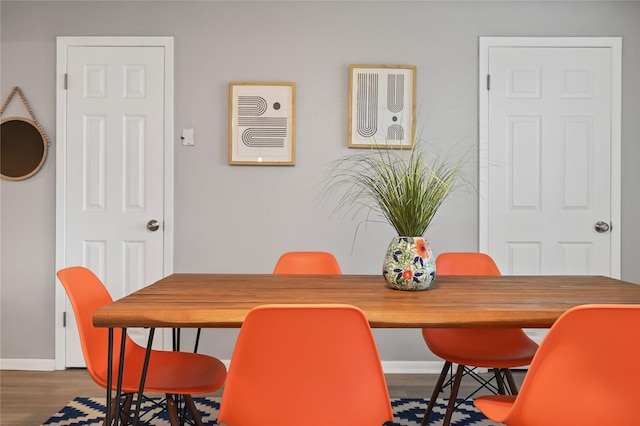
<point>186,300</point>
<point>193,300</point>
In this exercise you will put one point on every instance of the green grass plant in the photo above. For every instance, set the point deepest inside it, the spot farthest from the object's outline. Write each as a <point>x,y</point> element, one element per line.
<point>404,186</point>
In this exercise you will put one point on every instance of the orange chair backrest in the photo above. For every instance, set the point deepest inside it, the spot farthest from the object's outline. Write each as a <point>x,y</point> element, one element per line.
<point>305,364</point>
<point>307,262</point>
<point>87,293</point>
<point>586,372</point>
<point>466,263</point>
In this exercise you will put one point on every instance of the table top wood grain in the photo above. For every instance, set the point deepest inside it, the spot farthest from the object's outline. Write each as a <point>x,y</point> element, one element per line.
<point>223,300</point>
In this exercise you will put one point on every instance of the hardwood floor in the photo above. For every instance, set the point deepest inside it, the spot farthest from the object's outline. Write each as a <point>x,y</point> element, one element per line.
<point>28,398</point>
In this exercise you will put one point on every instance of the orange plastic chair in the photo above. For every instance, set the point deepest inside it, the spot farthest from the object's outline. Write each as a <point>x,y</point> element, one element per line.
<point>169,373</point>
<point>594,352</point>
<point>305,364</point>
<point>496,349</point>
<point>307,262</point>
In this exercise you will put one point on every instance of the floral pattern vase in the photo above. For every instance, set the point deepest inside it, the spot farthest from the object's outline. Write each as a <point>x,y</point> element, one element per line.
<point>409,264</point>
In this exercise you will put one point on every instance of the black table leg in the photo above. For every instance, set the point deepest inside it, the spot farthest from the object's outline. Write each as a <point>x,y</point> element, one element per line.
<point>123,340</point>
<point>143,376</point>
<point>109,376</point>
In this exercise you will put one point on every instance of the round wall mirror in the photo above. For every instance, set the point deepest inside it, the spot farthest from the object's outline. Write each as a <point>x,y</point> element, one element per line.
<point>23,148</point>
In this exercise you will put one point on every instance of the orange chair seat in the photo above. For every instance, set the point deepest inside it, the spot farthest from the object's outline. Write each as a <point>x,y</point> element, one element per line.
<point>168,372</point>
<point>498,405</point>
<point>485,348</point>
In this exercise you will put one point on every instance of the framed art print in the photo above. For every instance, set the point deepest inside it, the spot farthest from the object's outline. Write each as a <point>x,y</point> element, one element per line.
<point>262,123</point>
<point>382,106</point>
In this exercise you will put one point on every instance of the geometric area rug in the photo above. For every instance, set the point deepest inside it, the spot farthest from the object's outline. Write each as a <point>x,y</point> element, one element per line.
<point>406,412</point>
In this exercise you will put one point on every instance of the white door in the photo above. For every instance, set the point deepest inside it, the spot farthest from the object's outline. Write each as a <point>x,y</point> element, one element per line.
<point>113,170</point>
<point>550,156</point>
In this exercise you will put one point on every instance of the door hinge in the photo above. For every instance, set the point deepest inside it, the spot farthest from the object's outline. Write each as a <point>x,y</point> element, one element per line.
<point>66,81</point>
<point>64,319</point>
<point>488,81</point>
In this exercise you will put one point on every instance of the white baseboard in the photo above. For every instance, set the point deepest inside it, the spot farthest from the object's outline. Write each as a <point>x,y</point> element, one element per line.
<point>389,367</point>
<point>28,364</point>
<point>400,367</point>
<point>412,367</point>
<point>536,334</point>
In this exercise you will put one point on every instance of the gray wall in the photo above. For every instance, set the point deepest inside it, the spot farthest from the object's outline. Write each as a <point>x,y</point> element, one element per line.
<point>239,219</point>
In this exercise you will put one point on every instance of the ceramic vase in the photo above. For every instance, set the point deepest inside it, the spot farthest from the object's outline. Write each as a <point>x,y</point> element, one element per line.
<point>409,264</point>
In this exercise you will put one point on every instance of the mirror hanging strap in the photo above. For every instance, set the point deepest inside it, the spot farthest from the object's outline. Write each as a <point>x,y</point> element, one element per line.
<point>26,104</point>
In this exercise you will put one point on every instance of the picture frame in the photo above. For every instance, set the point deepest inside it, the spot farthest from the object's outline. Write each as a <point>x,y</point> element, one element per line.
<point>262,123</point>
<point>382,106</point>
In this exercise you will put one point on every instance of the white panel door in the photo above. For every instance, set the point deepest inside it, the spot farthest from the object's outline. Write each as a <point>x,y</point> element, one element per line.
<point>548,161</point>
<point>114,174</point>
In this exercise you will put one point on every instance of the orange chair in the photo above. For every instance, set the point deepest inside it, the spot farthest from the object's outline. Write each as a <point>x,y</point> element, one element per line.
<point>593,351</point>
<point>305,364</point>
<point>307,262</point>
<point>169,373</point>
<point>496,349</point>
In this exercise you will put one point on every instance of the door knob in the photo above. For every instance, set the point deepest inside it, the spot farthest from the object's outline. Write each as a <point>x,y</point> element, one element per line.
<point>153,225</point>
<point>602,227</point>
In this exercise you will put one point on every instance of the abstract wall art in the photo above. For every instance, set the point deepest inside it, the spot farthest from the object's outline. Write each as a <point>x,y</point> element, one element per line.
<point>381,106</point>
<point>262,123</point>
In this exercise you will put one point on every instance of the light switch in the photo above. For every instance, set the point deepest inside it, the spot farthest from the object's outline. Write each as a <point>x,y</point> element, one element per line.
<point>187,137</point>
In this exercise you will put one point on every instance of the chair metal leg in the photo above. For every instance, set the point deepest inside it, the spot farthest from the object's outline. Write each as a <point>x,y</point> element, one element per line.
<point>172,411</point>
<point>455,386</point>
<point>436,391</point>
<point>512,383</point>
<point>454,394</point>
<point>499,381</point>
<point>109,419</point>
<point>191,406</point>
<point>125,411</point>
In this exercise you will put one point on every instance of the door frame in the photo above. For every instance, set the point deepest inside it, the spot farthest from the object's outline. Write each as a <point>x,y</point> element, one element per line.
<point>615,44</point>
<point>63,44</point>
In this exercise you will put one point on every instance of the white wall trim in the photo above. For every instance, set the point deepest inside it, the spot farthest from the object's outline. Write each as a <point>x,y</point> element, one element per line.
<point>412,367</point>
<point>28,364</point>
<point>389,367</point>
<point>399,367</point>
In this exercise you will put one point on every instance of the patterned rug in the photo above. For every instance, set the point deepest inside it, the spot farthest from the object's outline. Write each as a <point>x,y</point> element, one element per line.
<point>407,412</point>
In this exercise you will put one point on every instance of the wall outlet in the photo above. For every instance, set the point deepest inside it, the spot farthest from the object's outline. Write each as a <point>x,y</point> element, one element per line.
<point>187,137</point>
